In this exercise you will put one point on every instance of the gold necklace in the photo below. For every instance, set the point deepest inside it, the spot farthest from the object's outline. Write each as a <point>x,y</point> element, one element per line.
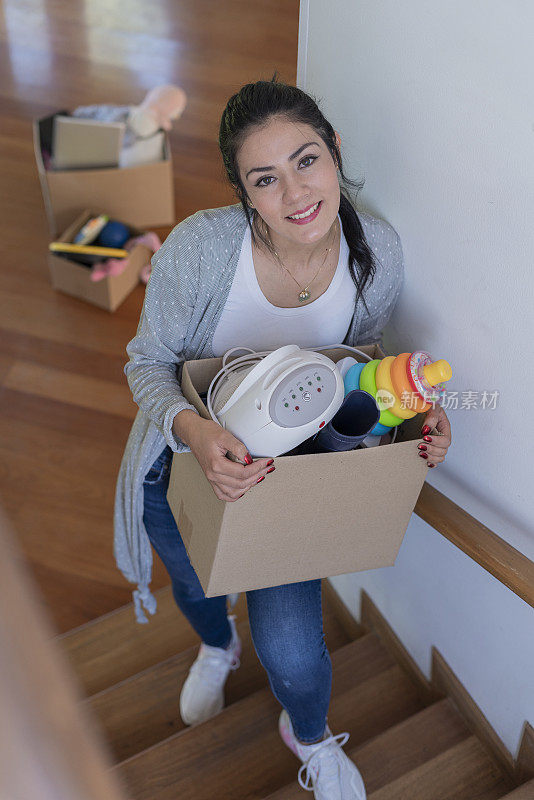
<point>304,292</point>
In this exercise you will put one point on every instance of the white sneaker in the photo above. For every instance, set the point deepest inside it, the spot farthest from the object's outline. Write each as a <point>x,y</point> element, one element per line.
<point>330,774</point>
<point>202,694</point>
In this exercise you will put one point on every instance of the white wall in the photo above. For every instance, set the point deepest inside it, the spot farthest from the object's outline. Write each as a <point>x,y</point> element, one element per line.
<point>435,107</point>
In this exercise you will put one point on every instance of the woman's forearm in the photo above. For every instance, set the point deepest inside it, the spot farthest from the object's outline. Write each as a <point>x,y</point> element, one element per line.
<point>185,423</point>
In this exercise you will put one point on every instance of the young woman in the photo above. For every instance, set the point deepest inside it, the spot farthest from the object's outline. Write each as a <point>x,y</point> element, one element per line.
<point>292,262</point>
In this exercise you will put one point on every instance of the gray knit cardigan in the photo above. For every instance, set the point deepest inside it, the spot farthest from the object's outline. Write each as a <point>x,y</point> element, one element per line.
<point>191,278</point>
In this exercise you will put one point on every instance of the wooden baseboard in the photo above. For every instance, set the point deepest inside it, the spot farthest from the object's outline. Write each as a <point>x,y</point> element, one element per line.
<point>350,625</point>
<point>525,757</point>
<point>372,619</point>
<point>443,682</point>
<point>448,683</point>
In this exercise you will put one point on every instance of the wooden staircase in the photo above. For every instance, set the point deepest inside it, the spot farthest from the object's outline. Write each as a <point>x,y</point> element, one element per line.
<point>407,746</point>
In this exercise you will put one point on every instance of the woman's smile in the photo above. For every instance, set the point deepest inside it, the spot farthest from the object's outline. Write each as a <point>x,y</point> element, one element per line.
<point>305,216</point>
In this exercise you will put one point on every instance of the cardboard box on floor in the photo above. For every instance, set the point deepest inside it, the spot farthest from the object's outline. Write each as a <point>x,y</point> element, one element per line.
<point>75,279</point>
<point>316,516</point>
<point>142,196</point>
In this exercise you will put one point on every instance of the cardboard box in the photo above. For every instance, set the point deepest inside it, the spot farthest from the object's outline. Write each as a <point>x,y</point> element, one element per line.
<point>74,279</point>
<point>142,196</point>
<point>316,516</point>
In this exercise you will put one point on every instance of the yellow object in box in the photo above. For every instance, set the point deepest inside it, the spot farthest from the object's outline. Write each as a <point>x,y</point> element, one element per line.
<point>87,249</point>
<point>75,279</point>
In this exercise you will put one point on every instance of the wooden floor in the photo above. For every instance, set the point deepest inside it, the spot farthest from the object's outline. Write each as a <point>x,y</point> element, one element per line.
<point>65,407</point>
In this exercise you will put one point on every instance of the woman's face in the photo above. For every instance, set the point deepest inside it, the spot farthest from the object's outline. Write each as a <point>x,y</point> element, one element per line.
<point>286,169</point>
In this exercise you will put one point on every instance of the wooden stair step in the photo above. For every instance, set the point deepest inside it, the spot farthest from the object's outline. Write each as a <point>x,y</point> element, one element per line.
<point>400,749</point>
<point>144,709</point>
<point>114,647</point>
<point>524,792</point>
<point>463,772</point>
<point>239,753</point>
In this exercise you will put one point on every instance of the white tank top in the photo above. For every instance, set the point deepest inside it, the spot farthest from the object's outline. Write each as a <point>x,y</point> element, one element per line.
<point>248,319</point>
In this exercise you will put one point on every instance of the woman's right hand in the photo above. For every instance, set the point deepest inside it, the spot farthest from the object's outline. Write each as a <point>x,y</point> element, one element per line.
<point>209,443</point>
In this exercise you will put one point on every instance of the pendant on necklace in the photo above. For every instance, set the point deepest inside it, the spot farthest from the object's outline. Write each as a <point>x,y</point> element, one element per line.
<point>304,295</point>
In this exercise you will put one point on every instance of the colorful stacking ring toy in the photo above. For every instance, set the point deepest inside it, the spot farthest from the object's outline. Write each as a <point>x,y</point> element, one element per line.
<point>411,380</point>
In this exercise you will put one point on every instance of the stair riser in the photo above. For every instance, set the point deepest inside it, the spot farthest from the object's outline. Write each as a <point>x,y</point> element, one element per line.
<point>400,749</point>
<point>251,728</point>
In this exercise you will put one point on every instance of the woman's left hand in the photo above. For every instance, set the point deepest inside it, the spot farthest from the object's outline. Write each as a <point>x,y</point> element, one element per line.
<point>434,448</point>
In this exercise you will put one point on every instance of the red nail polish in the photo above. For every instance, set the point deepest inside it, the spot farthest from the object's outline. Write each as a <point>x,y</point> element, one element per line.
<point>271,470</point>
<point>270,462</point>
<point>248,459</point>
<point>427,438</point>
<point>431,465</point>
<point>423,455</point>
<point>426,429</point>
<point>261,479</point>
<point>421,446</point>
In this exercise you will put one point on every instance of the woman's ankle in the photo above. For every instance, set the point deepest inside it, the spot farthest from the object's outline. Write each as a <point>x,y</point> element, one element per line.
<point>316,741</point>
<point>221,646</point>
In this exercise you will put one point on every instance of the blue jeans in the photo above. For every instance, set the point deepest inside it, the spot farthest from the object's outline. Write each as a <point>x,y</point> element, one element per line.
<point>286,622</point>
